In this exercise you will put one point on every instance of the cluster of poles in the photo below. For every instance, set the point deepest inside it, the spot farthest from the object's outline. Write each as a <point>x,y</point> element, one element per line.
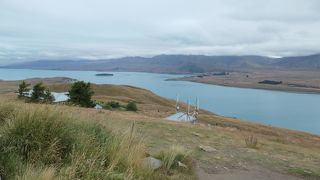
<point>191,114</point>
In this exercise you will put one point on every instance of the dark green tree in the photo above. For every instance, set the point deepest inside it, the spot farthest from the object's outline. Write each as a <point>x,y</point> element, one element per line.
<point>81,93</point>
<point>23,89</point>
<point>38,92</point>
<point>131,106</point>
<point>47,96</point>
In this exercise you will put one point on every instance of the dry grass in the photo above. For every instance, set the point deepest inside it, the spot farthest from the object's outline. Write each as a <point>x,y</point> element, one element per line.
<point>173,155</point>
<point>297,81</point>
<point>37,138</point>
<point>32,173</point>
<point>251,141</point>
<point>280,150</point>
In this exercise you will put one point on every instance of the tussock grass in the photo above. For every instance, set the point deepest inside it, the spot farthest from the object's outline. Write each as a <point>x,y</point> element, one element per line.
<point>6,112</point>
<point>32,173</point>
<point>251,141</point>
<point>174,155</point>
<point>43,144</point>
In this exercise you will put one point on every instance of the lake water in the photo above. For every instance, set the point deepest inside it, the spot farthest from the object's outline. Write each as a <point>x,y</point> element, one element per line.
<point>282,109</point>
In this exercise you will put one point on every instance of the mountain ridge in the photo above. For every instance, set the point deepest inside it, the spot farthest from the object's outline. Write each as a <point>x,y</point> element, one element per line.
<point>178,63</point>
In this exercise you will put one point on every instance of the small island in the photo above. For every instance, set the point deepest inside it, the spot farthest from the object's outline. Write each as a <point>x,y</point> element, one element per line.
<point>271,82</point>
<point>104,74</point>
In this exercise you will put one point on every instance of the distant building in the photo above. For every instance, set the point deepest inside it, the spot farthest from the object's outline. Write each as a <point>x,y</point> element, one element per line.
<point>185,116</point>
<point>58,97</point>
<point>98,106</point>
<point>181,116</point>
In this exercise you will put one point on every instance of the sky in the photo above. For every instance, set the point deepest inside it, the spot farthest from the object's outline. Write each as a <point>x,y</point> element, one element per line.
<point>100,29</point>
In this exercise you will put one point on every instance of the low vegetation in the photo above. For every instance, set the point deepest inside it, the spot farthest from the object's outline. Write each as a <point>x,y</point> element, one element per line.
<point>251,141</point>
<point>131,106</point>
<point>111,105</point>
<point>104,144</point>
<point>40,142</point>
<point>175,157</point>
<point>114,105</point>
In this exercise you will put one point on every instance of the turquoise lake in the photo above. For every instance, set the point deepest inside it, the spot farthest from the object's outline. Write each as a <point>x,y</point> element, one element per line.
<point>297,111</point>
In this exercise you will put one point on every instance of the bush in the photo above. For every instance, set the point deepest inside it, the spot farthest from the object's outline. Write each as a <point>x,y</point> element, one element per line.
<point>131,106</point>
<point>81,93</point>
<point>251,141</point>
<point>114,104</point>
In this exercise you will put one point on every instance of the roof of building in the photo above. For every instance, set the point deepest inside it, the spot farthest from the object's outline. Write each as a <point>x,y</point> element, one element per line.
<point>181,116</point>
<point>58,97</point>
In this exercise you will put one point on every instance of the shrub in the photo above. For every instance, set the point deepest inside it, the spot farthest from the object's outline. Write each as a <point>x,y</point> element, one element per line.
<point>131,106</point>
<point>114,104</point>
<point>251,141</point>
<point>107,106</point>
<point>81,93</point>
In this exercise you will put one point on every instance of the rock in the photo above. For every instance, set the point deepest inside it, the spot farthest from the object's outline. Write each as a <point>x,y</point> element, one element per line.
<point>152,162</point>
<point>207,148</point>
<point>180,164</point>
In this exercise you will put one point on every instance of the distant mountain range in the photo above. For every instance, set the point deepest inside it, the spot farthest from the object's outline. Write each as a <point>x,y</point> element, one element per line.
<point>179,64</point>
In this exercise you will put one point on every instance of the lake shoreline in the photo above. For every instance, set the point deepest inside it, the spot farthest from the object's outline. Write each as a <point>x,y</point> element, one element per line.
<point>59,83</point>
<point>285,81</point>
<point>287,90</point>
<point>278,109</point>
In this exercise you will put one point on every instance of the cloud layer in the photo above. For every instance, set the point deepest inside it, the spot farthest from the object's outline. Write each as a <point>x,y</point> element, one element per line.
<point>95,29</point>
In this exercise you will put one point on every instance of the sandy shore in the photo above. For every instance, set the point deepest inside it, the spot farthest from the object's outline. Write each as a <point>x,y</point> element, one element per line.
<point>296,81</point>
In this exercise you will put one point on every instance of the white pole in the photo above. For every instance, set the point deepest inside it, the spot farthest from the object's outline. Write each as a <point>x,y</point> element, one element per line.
<point>177,104</point>
<point>188,111</point>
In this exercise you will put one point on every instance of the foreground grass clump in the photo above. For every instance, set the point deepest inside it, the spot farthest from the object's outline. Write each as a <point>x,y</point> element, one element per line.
<point>176,158</point>
<point>251,142</point>
<point>41,143</point>
<point>6,111</point>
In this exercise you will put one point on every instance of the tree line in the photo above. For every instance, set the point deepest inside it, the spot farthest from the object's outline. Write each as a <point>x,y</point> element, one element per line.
<point>79,94</point>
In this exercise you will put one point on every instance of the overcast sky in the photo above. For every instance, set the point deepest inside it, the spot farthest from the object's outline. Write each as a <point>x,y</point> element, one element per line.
<point>94,29</point>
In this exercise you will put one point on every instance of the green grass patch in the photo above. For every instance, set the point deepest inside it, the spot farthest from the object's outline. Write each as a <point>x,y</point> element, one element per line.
<point>37,143</point>
<point>304,172</point>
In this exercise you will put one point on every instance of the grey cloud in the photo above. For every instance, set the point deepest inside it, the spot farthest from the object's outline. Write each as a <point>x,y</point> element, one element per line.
<point>100,29</point>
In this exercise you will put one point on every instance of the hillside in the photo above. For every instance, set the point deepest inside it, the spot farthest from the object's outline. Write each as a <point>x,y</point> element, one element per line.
<point>293,81</point>
<point>179,64</point>
<point>280,153</point>
<point>305,62</point>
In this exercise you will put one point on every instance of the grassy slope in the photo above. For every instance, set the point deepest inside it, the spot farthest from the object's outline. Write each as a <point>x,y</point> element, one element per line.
<point>279,150</point>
